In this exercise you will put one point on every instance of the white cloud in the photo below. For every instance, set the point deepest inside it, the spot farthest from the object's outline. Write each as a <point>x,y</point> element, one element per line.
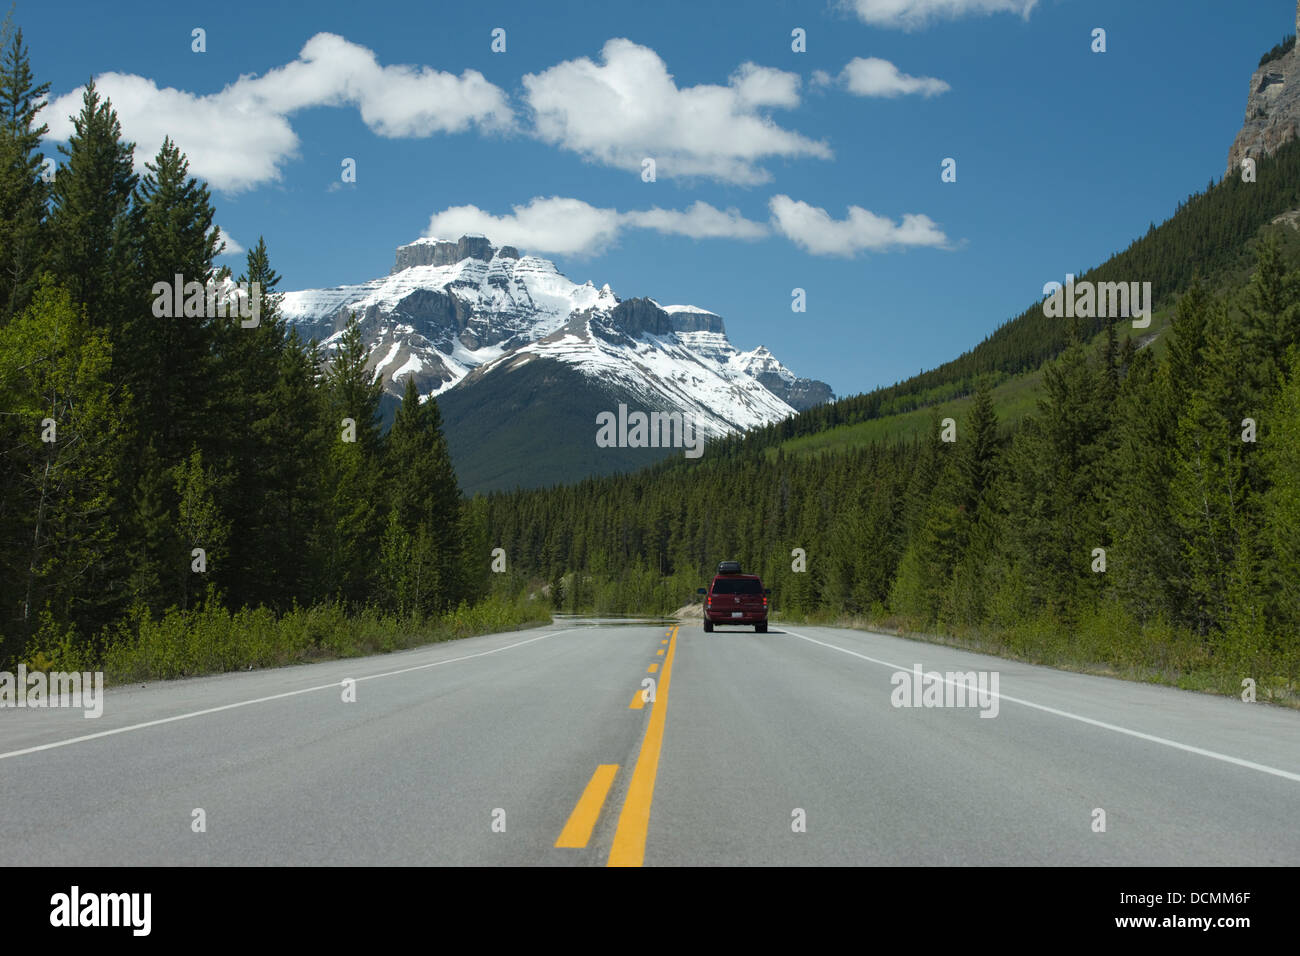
<point>699,221</point>
<point>231,248</point>
<point>872,76</point>
<point>812,228</point>
<point>629,107</point>
<point>230,148</point>
<point>558,225</point>
<point>240,137</point>
<point>555,225</point>
<point>565,226</point>
<point>764,86</point>
<point>394,101</point>
<point>911,14</point>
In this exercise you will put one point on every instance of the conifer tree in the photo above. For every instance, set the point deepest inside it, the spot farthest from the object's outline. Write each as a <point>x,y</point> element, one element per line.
<point>1146,556</point>
<point>23,189</point>
<point>352,513</point>
<point>90,247</point>
<point>1281,513</point>
<point>169,359</point>
<point>977,451</point>
<point>976,461</point>
<point>293,534</point>
<point>201,527</point>
<point>272,429</point>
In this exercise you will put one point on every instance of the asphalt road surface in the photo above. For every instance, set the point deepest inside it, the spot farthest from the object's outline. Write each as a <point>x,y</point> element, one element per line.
<point>537,747</point>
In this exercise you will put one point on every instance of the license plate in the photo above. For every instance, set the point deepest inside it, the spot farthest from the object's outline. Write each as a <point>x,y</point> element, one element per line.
<point>737,613</point>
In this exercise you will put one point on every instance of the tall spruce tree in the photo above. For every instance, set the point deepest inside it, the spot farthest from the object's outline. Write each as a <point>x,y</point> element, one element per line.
<point>293,535</point>
<point>201,527</point>
<point>272,422</point>
<point>1146,556</point>
<point>23,189</point>
<point>165,361</point>
<point>1281,513</point>
<point>1056,494</point>
<point>90,249</point>
<point>353,516</point>
<point>977,451</point>
<point>168,359</point>
<point>977,461</point>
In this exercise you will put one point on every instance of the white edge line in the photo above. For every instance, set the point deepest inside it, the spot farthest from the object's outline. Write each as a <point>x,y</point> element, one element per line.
<point>1284,774</point>
<point>262,700</point>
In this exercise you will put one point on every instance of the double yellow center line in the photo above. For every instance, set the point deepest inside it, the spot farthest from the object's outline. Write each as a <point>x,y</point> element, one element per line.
<point>634,819</point>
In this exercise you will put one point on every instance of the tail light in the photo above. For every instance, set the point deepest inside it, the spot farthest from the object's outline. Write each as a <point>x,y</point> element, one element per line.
<point>764,600</point>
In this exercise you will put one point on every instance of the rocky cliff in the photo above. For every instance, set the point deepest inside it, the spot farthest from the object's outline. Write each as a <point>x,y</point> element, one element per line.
<point>437,252</point>
<point>1272,108</point>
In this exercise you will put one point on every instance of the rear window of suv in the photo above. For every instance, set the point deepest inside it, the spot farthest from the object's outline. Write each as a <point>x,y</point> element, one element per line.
<point>736,586</point>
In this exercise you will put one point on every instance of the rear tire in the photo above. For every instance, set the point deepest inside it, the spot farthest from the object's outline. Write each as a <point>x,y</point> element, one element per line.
<point>760,628</point>
<point>708,626</point>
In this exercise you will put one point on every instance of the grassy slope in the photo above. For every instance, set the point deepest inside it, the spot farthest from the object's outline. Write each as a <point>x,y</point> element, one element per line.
<point>1016,396</point>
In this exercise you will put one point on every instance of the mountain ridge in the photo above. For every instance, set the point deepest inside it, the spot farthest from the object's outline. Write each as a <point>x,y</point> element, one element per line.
<point>447,307</point>
<point>464,313</point>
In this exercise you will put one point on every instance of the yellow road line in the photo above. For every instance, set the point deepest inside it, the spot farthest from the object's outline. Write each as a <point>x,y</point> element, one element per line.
<point>638,700</point>
<point>652,668</point>
<point>583,819</point>
<point>659,653</point>
<point>634,820</point>
<point>663,641</point>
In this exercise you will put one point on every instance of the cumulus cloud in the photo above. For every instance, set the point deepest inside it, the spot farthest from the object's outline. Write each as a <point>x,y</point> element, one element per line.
<point>764,86</point>
<point>912,14</point>
<point>872,76</point>
<point>699,221</point>
<point>554,225</point>
<point>813,229</point>
<point>629,107</point>
<point>563,226</point>
<point>233,150</point>
<point>240,137</point>
<point>558,225</point>
<point>394,101</point>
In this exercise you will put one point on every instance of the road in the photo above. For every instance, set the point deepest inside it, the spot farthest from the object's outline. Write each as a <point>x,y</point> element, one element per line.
<point>757,749</point>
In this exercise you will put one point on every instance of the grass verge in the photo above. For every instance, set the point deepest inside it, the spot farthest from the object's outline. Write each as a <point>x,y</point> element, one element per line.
<point>1105,645</point>
<point>210,639</point>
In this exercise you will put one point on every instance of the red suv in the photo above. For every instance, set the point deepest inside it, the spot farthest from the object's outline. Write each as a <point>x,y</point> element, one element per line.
<point>735,598</point>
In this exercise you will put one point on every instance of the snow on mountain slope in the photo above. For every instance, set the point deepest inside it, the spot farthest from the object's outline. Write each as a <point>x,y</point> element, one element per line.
<point>656,369</point>
<point>449,310</point>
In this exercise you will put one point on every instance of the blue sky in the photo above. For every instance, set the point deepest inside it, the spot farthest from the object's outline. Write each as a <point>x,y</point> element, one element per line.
<point>774,169</point>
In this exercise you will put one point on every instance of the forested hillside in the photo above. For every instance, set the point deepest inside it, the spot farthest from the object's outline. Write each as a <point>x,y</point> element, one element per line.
<point>1204,238</point>
<point>153,468</point>
<point>1147,515</point>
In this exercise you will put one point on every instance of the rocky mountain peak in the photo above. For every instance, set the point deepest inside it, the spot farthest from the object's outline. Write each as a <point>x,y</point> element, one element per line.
<point>442,252</point>
<point>462,317</point>
<point>637,317</point>
<point>1272,108</point>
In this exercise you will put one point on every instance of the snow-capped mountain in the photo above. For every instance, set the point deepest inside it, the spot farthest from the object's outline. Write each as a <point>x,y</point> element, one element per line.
<point>462,316</point>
